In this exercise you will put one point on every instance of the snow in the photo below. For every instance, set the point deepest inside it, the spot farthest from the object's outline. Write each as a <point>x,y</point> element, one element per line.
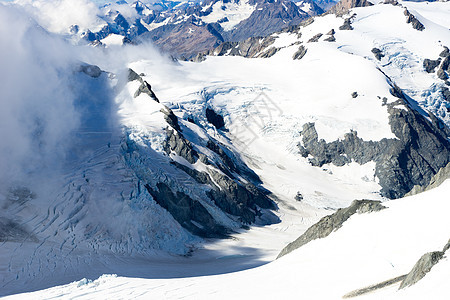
<point>306,7</point>
<point>113,40</point>
<point>368,249</point>
<point>265,103</point>
<point>235,11</point>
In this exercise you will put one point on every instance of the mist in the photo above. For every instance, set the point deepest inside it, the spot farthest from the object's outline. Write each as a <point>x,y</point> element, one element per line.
<point>43,101</point>
<point>37,111</point>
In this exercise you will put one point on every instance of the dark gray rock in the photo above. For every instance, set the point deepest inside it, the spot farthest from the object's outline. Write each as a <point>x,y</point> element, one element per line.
<point>392,2</point>
<point>441,74</point>
<point>347,25</point>
<point>91,70</point>
<point>446,93</point>
<point>421,268</point>
<point>299,197</point>
<point>446,64</point>
<point>413,20</point>
<point>330,39</point>
<point>250,47</point>
<point>270,17</point>
<point>446,247</point>
<point>429,65</point>
<point>445,53</point>
<point>315,38</point>
<point>374,287</point>
<point>436,181</point>
<point>214,118</point>
<point>132,76</point>
<point>331,223</point>
<point>177,143</point>
<point>242,200</point>
<point>146,88</point>
<point>229,163</point>
<point>343,6</point>
<point>300,52</point>
<point>171,118</point>
<point>377,53</point>
<point>269,52</point>
<point>419,152</point>
<point>185,210</point>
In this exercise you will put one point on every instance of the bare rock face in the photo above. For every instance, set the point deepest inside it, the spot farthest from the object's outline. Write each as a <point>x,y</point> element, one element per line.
<point>250,47</point>
<point>413,20</point>
<point>171,118</point>
<point>345,5</point>
<point>197,199</point>
<point>377,53</point>
<point>430,65</point>
<point>268,53</point>
<point>191,214</point>
<point>445,53</point>
<point>177,143</point>
<point>315,38</point>
<point>331,38</point>
<point>145,87</point>
<point>419,152</point>
<point>347,25</point>
<point>435,181</point>
<point>214,118</point>
<point>300,52</point>
<point>421,268</point>
<point>331,223</point>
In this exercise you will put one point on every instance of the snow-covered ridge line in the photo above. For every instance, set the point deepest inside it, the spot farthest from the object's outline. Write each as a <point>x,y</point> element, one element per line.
<point>395,56</point>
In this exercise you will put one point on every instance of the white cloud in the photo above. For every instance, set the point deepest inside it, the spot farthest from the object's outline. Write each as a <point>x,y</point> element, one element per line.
<point>58,15</point>
<point>36,104</point>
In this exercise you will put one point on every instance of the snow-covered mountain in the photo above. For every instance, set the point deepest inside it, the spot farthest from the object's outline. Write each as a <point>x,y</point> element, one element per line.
<point>121,161</point>
<point>186,28</point>
<point>367,259</point>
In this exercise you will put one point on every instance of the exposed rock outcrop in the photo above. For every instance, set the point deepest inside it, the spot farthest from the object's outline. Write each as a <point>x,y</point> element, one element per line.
<point>145,87</point>
<point>421,268</point>
<point>374,287</point>
<point>435,181</point>
<point>177,143</point>
<point>243,200</point>
<point>413,20</point>
<point>377,53</point>
<point>191,214</point>
<point>214,118</point>
<point>429,65</point>
<point>171,119</point>
<point>300,52</point>
<point>315,38</point>
<point>419,152</point>
<point>347,25</point>
<point>343,6</point>
<point>331,223</point>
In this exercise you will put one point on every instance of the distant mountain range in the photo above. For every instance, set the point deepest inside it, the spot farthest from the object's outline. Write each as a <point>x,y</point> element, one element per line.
<point>186,28</point>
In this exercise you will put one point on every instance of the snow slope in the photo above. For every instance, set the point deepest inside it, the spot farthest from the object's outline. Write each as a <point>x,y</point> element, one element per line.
<point>95,216</point>
<point>368,249</point>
